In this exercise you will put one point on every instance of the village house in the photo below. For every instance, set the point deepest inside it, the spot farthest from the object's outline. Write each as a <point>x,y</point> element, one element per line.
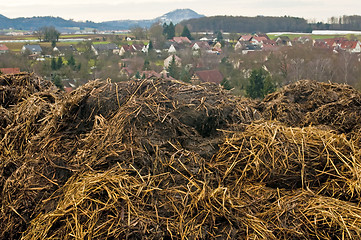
<point>105,48</point>
<point>263,35</point>
<point>32,49</point>
<point>351,46</point>
<point>251,48</point>
<point>213,76</point>
<point>126,49</point>
<point>258,40</point>
<point>200,46</point>
<point>284,41</point>
<point>64,49</point>
<point>245,38</point>
<point>140,47</point>
<point>238,46</point>
<point>269,45</point>
<point>217,48</point>
<point>303,39</point>
<point>69,85</point>
<point>3,49</point>
<point>330,43</point>
<point>181,40</point>
<point>337,44</point>
<point>172,49</point>
<point>126,72</point>
<point>169,59</point>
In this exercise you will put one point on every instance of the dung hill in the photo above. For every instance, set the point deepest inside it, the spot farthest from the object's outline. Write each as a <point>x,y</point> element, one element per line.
<point>161,159</point>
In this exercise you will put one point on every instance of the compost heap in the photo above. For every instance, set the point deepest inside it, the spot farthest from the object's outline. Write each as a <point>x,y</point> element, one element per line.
<point>161,159</point>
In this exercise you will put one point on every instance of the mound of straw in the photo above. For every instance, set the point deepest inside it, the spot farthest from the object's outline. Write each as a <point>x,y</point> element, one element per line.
<point>292,158</point>
<point>161,159</point>
<point>309,102</point>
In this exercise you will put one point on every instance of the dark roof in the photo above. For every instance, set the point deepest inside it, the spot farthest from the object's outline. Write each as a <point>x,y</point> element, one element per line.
<point>128,48</point>
<point>69,48</point>
<point>252,47</point>
<point>138,47</point>
<point>105,47</point>
<point>214,76</point>
<point>33,48</point>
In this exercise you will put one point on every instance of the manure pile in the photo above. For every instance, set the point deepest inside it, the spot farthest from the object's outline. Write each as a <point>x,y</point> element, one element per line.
<point>160,159</point>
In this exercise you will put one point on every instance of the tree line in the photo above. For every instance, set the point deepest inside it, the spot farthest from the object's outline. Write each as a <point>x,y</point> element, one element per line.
<point>270,24</point>
<point>248,24</point>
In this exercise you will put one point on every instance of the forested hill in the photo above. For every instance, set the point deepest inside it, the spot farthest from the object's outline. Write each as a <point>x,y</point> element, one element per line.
<point>271,24</point>
<point>63,25</point>
<point>248,24</point>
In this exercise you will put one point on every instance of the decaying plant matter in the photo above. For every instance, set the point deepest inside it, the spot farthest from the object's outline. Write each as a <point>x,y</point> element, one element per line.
<point>161,159</point>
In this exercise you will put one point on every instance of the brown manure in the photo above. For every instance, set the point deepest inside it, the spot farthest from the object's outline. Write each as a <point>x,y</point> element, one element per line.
<point>308,102</point>
<point>15,87</point>
<point>305,215</point>
<point>161,159</point>
<point>292,158</point>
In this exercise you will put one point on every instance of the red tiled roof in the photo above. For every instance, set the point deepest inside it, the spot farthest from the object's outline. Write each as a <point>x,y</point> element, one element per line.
<point>260,39</point>
<point>348,44</point>
<point>180,40</point>
<point>128,48</point>
<point>245,38</point>
<point>269,42</point>
<point>270,47</point>
<point>10,70</point>
<point>68,89</point>
<point>3,47</point>
<point>214,76</point>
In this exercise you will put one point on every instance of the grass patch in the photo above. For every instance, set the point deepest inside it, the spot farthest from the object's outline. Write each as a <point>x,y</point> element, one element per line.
<point>14,46</point>
<point>326,36</point>
<point>159,63</point>
<point>296,35</point>
<point>97,43</point>
<point>289,35</point>
<point>76,36</point>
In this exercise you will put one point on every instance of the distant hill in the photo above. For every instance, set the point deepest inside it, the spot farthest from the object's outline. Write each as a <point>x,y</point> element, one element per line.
<point>35,23</point>
<point>175,16</point>
<point>63,25</point>
<point>178,15</point>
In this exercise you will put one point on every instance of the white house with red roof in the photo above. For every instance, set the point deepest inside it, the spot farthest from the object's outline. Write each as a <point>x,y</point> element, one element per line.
<point>200,46</point>
<point>351,46</point>
<point>258,40</point>
<point>245,38</point>
<point>126,49</point>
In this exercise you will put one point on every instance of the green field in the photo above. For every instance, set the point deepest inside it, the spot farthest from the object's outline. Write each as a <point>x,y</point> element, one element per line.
<point>15,47</point>
<point>101,42</point>
<point>296,35</point>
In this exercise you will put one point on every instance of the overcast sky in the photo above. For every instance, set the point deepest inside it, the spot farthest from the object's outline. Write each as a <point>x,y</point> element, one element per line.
<point>104,10</point>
